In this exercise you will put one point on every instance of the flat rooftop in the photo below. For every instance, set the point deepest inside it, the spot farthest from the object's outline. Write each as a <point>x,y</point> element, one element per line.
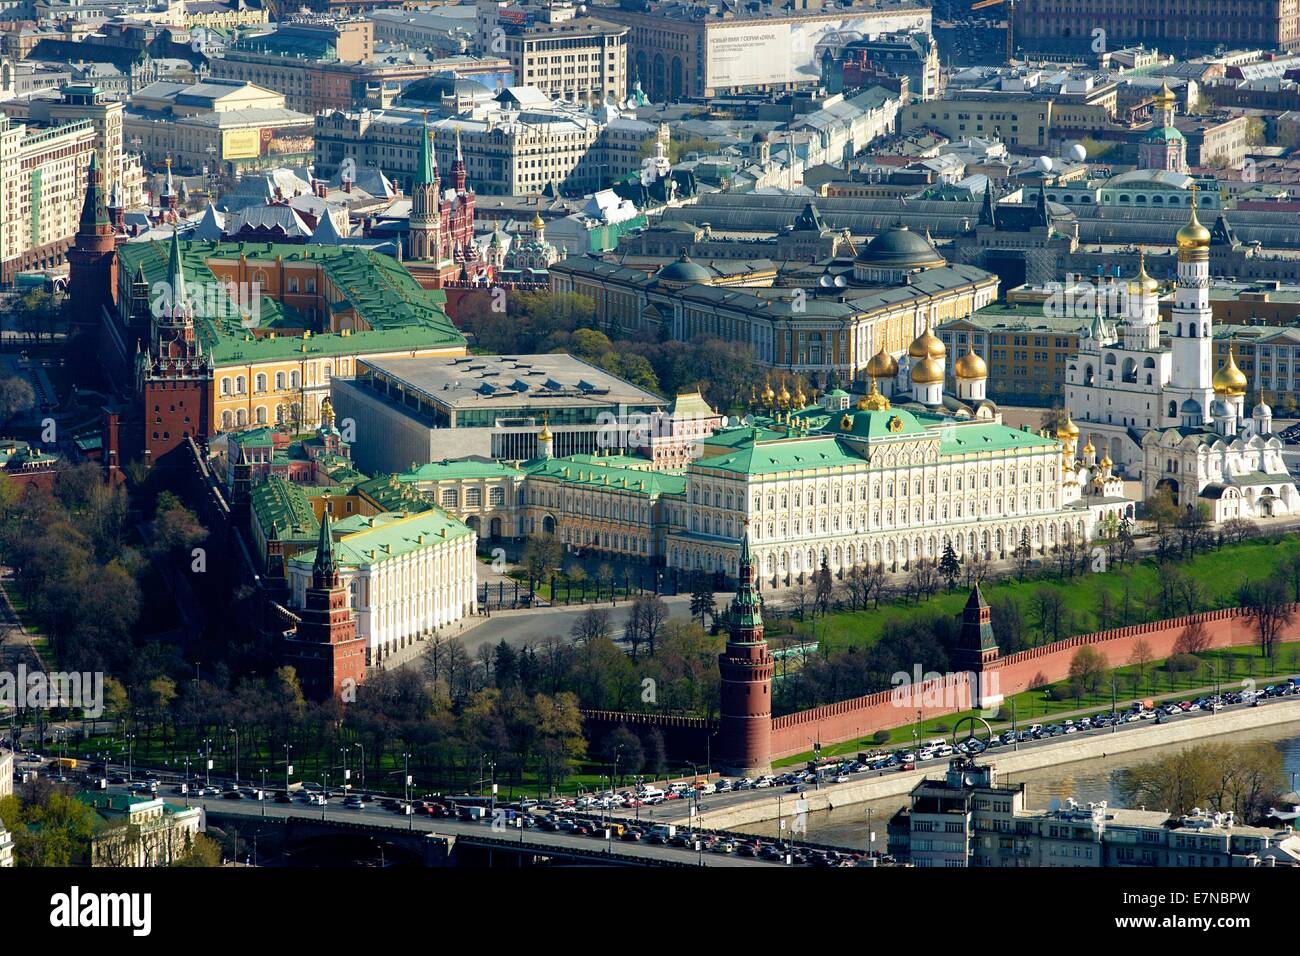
<point>508,381</point>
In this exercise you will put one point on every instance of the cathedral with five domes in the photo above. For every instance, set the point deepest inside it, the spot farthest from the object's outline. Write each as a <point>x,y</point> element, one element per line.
<point>1163,413</point>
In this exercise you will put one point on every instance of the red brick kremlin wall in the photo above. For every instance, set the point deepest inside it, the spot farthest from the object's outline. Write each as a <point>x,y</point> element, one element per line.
<point>862,716</point>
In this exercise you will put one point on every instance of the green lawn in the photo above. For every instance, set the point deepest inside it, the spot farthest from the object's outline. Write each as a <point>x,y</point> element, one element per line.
<point>1036,706</point>
<point>1219,572</point>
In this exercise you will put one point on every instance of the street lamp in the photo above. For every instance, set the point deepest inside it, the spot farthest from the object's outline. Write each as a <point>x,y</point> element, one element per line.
<point>363,764</point>
<point>288,768</point>
<point>236,733</point>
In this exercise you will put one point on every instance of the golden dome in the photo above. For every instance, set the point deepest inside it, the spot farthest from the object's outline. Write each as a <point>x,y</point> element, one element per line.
<point>1193,235</point>
<point>545,433</point>
<point>1230,380</point>
<point>1106,462</point>
<point>971,366</point>
<point>800,399</point>
<point>769,396</point>
<point>873,401</point>
<point>1088,449</point>
<point>538,222</point>
<point>1067,430</point>
<point>783,396</point>
<point>928,371</point>
<point>1165,97</point>
<point>1142,283</point>
<point>882,365</point>
<point>927,345</point>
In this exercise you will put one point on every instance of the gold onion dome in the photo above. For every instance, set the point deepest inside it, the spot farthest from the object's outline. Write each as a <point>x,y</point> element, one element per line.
<point>971,366</point>
<point>1068,429</point>
<point>1106,462</point>
<point>1143,284</point>
<point>545,433</point>
<point>873,401</point>
<point>538,222</point>
<point>882,365</point>
<point>783,396</point>
<point>800,399</point>
<point>769,396</point>
<point>927,345</point>
<point>1193,235</point>
<point>928,371</point>
<point>1230,380</point>
<point>1088,449</point>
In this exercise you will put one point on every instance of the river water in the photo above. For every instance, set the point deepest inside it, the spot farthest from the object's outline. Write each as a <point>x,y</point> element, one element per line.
<point>1084,780</point>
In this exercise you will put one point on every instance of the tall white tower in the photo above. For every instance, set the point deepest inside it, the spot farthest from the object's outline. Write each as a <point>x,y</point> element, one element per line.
<point>1193,339</point>
<point>1142,319</point>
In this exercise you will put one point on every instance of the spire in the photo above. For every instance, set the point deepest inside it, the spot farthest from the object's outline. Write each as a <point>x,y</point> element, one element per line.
<point>94,212</point>
<point>324,570</point>
<point>1040,205</point>
<point>426,171</point>
<point>176,274</point>
<point>747,606</point>
<point>987,216</point>
<point>169,188</point>
<point>459,157</point>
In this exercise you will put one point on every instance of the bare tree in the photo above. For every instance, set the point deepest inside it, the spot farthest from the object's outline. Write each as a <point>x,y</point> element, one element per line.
<point>1267,609</point>
<point>591,624</point>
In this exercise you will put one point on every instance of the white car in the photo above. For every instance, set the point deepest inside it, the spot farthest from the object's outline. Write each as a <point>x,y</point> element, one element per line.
<point>842,778</point>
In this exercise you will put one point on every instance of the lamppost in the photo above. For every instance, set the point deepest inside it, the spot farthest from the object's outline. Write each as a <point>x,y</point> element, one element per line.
<point>130,756</point>
<point>187,780</point>
<point>1214,705</point>
<point>261,796</point>
<point>288,767</point>
<point>207,764</point>
<point>363,764</point>
<point>236,733</point>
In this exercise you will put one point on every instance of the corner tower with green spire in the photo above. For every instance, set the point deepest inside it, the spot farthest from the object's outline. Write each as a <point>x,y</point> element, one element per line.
<point>745,724</point>
<point>324,647</point>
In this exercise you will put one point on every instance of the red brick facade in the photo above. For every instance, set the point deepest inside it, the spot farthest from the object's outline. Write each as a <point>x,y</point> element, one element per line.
<point>862,716</point>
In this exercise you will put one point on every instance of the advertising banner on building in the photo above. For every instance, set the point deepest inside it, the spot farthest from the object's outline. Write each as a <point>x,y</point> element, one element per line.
<point>241,144</point>
<point>767,53</point>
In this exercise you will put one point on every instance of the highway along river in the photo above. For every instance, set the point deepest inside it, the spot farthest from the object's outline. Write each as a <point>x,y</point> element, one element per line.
<point>1084,780</point>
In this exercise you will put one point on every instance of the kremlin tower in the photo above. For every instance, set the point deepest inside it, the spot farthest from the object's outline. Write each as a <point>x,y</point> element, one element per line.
<point>745,727</point>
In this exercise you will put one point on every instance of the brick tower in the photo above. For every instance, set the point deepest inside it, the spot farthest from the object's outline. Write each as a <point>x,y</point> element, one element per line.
<point>92,263</point>
<point>745,728</point>
<point>325,649</point>
<point>976,647</point>
<point>175,375</point>
<point>424,238</point>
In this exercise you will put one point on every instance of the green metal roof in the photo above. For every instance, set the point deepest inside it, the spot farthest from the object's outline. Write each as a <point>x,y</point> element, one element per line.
<point>401,313</point>
<point>787,454</point>
<point>634,481</point>
<point>283,506</point>
<point>968,439</point>
<point>361,541</point>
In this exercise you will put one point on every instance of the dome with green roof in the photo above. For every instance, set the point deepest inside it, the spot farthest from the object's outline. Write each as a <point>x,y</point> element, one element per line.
<point>684,272</point>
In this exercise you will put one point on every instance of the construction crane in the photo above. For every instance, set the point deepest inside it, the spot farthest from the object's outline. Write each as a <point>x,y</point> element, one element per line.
<point>1011,16</point>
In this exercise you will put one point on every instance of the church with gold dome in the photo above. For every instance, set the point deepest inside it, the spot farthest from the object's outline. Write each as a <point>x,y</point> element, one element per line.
<point>1162,412</point>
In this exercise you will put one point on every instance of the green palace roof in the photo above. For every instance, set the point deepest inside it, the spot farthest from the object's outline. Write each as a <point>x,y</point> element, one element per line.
<point>447,470</point>
<point>283,506</point>
<point>632,480</point>
<point>977,437</point>
<point>401,314</point>
<point>804,453</point>
<point>361,541</point>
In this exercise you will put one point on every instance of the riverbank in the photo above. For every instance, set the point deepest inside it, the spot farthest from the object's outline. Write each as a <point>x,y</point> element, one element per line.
<point>893,784</point>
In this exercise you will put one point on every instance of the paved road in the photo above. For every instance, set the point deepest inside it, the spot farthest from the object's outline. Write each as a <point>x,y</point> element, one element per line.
<point>677,811</point>
<point>379,817</point>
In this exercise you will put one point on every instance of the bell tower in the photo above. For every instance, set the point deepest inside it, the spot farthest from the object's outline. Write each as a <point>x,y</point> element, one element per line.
<point>745,726</point>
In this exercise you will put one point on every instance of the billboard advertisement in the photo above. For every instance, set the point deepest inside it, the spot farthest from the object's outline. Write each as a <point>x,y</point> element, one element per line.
<point>241,144</point>
<point>771,53</point>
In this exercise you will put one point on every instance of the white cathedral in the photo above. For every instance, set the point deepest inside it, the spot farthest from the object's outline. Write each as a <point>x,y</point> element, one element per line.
<point>1164,414</point>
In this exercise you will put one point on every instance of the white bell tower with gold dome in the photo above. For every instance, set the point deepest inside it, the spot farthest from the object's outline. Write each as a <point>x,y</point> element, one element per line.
<point>1191,380</point>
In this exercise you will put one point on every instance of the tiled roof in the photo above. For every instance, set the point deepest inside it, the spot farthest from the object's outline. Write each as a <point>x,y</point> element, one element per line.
<point>361,541</point>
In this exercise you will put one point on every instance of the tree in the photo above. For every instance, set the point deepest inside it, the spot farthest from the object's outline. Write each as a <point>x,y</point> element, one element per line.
<point>16,396</point>
<point>1053,418</point>
<point>202,851</point>
<point>1049,612</point>
<point>1193,639</point>
<point>825,587</point>
<point>702,601</point>
<point>647,617</point>
<point>1023,553</point>
<point>561,743</point>
<point>592,624</point>
<point>1220,777</point>
<point>1140,658</point>
<point>1267,610</point>
<point>176,529</point>
<point>541,554</point>
<point>1088,668</point>
<point>950,565</point>
<point>605,579</point>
